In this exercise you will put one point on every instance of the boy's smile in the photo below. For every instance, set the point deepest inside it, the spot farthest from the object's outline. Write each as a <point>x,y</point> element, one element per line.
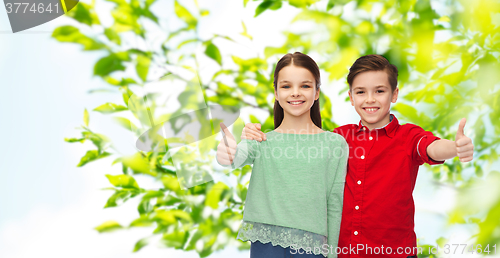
<point>371,110</point>
<point>371,96</point>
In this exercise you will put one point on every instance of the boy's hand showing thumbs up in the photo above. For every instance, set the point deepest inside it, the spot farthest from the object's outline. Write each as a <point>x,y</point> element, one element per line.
<point>226,150</point>
<point>444,149</point>
<point>465,148</point>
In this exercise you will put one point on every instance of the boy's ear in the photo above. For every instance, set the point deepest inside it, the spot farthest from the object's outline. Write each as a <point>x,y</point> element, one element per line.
<point>395,95</point>
<point>350,97</point>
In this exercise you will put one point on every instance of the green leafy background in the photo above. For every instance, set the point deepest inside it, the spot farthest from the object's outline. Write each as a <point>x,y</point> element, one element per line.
<point>447,53</point>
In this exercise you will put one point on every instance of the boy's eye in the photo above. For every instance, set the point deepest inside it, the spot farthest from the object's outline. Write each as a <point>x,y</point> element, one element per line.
<point>380,91</point>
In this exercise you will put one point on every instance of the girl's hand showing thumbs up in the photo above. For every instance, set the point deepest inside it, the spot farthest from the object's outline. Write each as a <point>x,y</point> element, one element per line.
<point>465,148</point>
<point>226,150</point>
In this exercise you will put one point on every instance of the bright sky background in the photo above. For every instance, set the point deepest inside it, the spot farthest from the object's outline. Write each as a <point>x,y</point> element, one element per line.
<point>48,206</point>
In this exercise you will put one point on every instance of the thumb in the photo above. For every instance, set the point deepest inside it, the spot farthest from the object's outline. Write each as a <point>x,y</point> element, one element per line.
<point>225,130</point>
<point>460,131</point>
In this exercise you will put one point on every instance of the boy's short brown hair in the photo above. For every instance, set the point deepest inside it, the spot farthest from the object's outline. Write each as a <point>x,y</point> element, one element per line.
<point>373,63</point>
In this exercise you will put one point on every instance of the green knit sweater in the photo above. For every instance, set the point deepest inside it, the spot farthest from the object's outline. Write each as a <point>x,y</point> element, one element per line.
<point>297,182</point>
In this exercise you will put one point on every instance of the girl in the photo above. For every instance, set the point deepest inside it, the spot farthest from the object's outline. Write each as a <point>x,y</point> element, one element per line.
<point>294,200</point>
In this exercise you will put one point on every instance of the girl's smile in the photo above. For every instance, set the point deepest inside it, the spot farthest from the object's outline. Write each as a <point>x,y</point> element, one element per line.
<point>296,103</point>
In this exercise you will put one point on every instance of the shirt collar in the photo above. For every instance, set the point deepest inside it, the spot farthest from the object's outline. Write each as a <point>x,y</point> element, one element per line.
<point>389,128</point>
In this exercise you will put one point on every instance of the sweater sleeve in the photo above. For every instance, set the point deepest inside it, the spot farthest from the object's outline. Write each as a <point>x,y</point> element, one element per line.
<point>335,199</point>
<point>246,151</point>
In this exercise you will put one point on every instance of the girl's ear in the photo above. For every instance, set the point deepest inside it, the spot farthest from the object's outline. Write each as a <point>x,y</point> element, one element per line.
<point>317,94</point>
<point>276,95</point>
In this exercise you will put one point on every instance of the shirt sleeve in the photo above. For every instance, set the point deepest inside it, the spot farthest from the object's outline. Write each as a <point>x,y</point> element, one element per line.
<point>419,140</point>
<point>246,151</point>
<point>338,163</point>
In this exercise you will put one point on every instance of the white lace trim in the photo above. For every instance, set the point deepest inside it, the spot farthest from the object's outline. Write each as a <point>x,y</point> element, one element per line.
<point>282,236</point>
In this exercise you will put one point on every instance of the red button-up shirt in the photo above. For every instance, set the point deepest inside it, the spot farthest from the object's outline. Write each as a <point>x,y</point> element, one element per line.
<point>378,213</point>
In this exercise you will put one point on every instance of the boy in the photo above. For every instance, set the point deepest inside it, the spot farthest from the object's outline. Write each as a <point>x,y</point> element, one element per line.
<point>384,157</point>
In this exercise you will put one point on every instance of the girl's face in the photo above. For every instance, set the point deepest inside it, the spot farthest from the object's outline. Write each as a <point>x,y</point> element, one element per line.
<point>296,91</point>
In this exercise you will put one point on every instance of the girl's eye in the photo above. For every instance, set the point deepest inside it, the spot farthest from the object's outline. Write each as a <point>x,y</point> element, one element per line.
<point>306,86</point>
<point>285,86</point>
<point>360,92</point>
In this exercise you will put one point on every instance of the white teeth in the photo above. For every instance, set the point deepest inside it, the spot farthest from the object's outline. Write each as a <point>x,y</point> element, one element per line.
<point>295,102</point>
<point>371,109</point>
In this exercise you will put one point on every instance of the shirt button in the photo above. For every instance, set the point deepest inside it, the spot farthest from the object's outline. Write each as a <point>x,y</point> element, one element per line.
<point>357,207</point>
<point>359,182</point>
<point>371,138</point>
<point>355,233</point>
<point>363,157</point>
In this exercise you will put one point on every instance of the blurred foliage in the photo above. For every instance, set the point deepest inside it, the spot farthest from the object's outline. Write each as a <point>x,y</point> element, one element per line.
<point>447,53</point>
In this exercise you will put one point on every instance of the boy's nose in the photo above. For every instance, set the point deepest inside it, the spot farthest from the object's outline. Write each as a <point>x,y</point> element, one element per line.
<point>370,98</point>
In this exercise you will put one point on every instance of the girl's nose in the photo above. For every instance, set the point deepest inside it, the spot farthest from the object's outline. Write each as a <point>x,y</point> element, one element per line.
<point>295,92</point>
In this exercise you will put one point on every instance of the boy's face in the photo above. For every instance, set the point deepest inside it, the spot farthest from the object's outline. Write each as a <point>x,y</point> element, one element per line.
<point>371,96</point>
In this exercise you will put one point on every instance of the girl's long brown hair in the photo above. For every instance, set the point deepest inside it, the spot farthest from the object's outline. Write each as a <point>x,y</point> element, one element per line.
<point>300,60</point>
